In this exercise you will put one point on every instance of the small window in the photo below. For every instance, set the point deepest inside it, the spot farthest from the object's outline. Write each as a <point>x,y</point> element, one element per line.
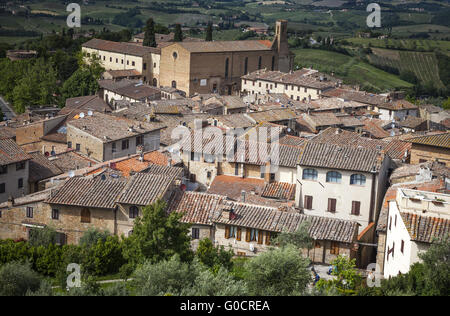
<point>29,212</point>
<point>69,144</point>
<point>309,174</point>
<point>254,234</point>
<point>154,65</point>
<point>334,249</point>
<point>195,233</point>
<point>20,165</point>
<point>356,206</point>
<point>133,212</point>
<point>85,215</point>
<point>236,169</point>
<point>55,214</point>
<point>357,179</point>
<point>402,247</point>
<point>113,147</point>
<point>20,183</point>
<point>133,63</point>
<point>110,59</point>
<point>332,205</point>
<point>2,187</point>
<point>117,60</point>
<point>77,147</point>
<point>175,55</point>
<point>174,84</point>
<point>3,169</point>
<point>209,174</point>
<point>125,144</point>
<point>308,202</point>
<point>259,62</point>
<point>145,66</point>
<point>139,140</point>
<point>0,214</point>
<point>334,177</point>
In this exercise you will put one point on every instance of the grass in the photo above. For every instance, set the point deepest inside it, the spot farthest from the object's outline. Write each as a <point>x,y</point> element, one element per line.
<point>350,69</point>
<point>402,43</point>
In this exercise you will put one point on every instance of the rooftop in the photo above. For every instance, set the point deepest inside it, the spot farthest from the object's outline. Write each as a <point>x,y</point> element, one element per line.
<point>10,152</point>
<point>120,47</point>
<point>42,168</point>
<point>223,46</point>
<point>438,140</point>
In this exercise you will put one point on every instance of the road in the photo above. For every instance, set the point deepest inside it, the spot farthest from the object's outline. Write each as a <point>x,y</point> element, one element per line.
<point>8,112</point>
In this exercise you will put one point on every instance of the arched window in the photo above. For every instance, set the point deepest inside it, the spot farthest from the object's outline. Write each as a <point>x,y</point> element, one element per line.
<point>134,212</point>
<point>358,179</point>
<point>273,63</point>
<point>310,174</point>
<point>334,177</point>
<point>174,84</point>
<point>227,62</point>
<point>246,66</point>
<point>155,82</point>
<point>259,62</point>
<point>85,215</point>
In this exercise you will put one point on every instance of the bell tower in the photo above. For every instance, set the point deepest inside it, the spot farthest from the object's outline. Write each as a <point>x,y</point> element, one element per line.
<point>280,44</point>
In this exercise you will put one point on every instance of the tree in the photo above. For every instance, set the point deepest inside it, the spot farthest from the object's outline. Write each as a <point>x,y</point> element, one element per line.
<point>279,271</point>
<point>158,236</point>
<point>149,36</point>
<point>300,238</point>
<point>214,257</point>
<point>92,236</point>
<point>446,104</point>
<point>347,279</point>
<point>209,32</point>
<point>16,279</point>
<point>178,37</point>
<point>42,236</point>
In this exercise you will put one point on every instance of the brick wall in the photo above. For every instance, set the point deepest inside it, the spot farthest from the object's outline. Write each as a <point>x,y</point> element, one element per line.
<point>429,153</point>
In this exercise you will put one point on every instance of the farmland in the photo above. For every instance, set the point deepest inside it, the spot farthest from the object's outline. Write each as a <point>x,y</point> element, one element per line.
<point>351,69</point>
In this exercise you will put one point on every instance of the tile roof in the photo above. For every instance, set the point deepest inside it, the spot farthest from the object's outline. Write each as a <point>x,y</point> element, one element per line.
<point>108,128</point>
<point>398,105</point>
<point>291,140</point>
<point>340,157</point>
<point>121,47</point>
<point>71,160</point>
<point>271,219</point>
<point>289,155</point>
<point>279,190</point>
<point>232,186</point>
<point>138,91</point>
<point>145,188</point>
<point>91,102</point>
<point>374,128</point>
<point>411,122</point>
<point>438,140</point>
<point>326,104</point>
<point>222,46</point>
<point>353,95</point>
<point>425,228</point>
<point>10,152</point>
<point>86,192</point>
<point>198,207</point>
<point>42,168</point>
<point>120,73</point>
<point>273,115</point>
<point>175,172</point>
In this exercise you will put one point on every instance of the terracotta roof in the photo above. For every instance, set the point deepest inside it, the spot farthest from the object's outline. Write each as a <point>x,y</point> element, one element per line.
<point>198,208</point>
<point>398,105</point>
<point>7,132</point>
<point>10,152</point>
<point>71,160</point>
<point>120,47</point>
<point>222,46</point>
<point>340,157</point>
<point>425,228</point>
<point>292,140</point>
<point>108,128</point>
<point>88,193</point>
<point>353,95</point>
<point>289,155</point>
<point>42,168</point>
<point>374,129</point>
<point>145,188</point>
<point>411,122</point>
<point>396,149</point>
<point>279,190</point>
<point>138,91</point>
<point>273,115</point>
<point>232,186</point>
<point>91,102</point>
<point>273,220</point>
<point>121,73</point>
<point>439,140</point>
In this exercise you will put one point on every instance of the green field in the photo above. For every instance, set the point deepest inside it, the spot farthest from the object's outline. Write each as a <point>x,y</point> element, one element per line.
<point>424,65</point>
<point>351,69</point>
<point>409,44</point>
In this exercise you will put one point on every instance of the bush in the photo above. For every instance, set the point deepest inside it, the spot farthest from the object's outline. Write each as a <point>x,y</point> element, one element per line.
<point>92,236</point>
<point>16,279</point>
<point>214,257</point>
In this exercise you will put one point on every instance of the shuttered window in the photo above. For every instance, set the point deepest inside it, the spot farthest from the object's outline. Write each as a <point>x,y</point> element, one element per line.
<point>334,249</point>
<point>227,232</point>
<point>267,238</point>
<point>332,205</point>
<point>356,206</point>
<point>239,233</point>
<point>308,202</point>
<point>247,234</point>
<point>260,237</point>
<point>85,215</point>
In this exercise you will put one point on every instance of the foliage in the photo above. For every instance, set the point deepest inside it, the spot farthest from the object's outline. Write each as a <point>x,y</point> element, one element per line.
<point>158,236</point>
<point>92,236</point>
<point>300,238</point>
<point>178,36</point>
<point>149,36</point>
<point>209,32</point>
<point>42,236</point>
<point>280,271</point>
<point>16,279</point>
<point>346,280</point>
<point>214,257</point>
<point>446,104</point>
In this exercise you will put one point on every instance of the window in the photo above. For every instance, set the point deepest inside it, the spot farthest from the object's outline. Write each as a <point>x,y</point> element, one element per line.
<point>20,165</point>
<point>85,215</point>
<point>133,212</point>
<point>3,169</point>
<point>175,55</point>
<point>334,177</point>
<point>20,183</point>
<point>259,62</point>
<point>246,66</point>
<point>60,239</point>
<point>309,174</point>
<point>117,60</point>
<point>133,63</point>
<point>55,214</point>
<point>254,234</point>
<point>125,144</point>
<point>29,212</point>
<point>122,61</point>
<point>357,179</point>
<point>334,249</point>
<point>402,247</point>
<point>236,169</point>
<point>77,147</point>
<point>0,214</point>
<point>390,223</point>
<point>155,82</point>
<point>273,63</point>
<point>128,62</point>
<point>208,174</point>
<point>139,140</point>
<point>227,62</point>
<point>174,84</point>
<point>2,187</point>
<point>308,202</point>
<point>356,206</point>
<point>332,205</point>
<point>113,147</point>
<point>110,59</point>
<point>154,65</point>
<point>195,233</point>
<point>231,232</point>
<point>145,66</point>
<point>69,144</point>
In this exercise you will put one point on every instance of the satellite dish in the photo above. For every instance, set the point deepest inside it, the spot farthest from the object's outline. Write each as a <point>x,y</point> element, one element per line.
<point>81,114</point>
<point>71,174</point>
<point>392,133</point>
<point>252,247</point>
<point>90,113</point>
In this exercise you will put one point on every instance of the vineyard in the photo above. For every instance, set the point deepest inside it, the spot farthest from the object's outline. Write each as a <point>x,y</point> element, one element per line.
<point>423,65</point>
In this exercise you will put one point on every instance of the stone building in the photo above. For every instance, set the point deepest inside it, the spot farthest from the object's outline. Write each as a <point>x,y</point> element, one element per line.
<point>216,66</point>
<point>431,148</point>
<point>105,137</point>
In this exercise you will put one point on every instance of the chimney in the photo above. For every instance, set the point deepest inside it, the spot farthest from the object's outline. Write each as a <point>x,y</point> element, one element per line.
<point>243,196</point>
<point>10,201</point>
<point>267,173</point>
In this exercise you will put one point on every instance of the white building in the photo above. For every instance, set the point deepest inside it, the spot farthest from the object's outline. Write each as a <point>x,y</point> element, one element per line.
<point>398,109</point>
<point>415,218</point>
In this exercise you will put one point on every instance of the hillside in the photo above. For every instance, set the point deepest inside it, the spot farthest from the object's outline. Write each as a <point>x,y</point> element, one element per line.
<point>351,69</point>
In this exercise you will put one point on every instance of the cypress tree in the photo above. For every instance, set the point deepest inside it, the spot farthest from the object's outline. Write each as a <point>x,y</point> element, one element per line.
<point>209,32</point>
<point>149,37</point>
<point>178,37</point>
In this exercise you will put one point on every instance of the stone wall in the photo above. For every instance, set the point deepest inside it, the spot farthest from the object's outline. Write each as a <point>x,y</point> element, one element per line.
<point>421,153</point>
